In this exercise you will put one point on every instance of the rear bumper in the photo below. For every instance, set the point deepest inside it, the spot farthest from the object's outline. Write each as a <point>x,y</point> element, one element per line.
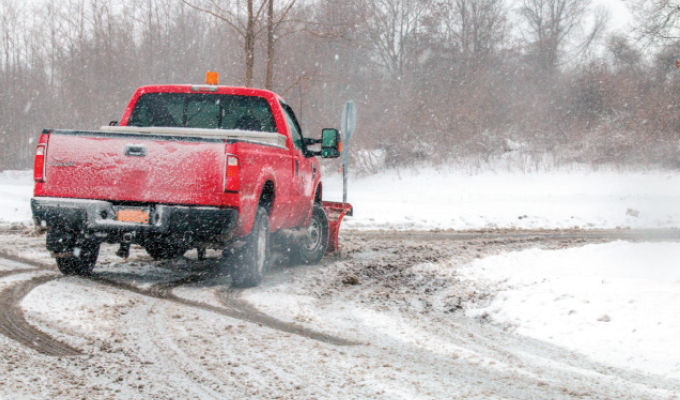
<point>76,215</point>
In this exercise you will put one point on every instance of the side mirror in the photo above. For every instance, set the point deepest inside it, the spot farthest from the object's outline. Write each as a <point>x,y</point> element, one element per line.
<point>331,145</point>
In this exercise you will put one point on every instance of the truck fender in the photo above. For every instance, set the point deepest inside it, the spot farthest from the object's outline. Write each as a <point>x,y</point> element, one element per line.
<point>250,202</point>
<point>316,198</point>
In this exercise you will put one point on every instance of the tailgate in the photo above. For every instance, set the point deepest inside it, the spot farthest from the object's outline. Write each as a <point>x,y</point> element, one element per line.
<point>136,168</point>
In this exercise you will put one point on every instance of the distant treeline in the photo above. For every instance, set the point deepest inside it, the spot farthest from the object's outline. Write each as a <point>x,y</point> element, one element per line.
<point>440,80</point>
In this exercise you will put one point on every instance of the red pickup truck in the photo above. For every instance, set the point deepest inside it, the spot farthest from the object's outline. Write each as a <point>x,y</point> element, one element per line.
<point>189,166</point>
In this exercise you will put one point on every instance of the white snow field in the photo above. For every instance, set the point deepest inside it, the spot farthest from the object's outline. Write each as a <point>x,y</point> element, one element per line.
<point>450,199</point>
<point>16,189</point>
<point>617,303</point>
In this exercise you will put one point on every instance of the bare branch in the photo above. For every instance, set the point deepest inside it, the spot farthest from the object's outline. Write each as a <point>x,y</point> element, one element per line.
<point>214,14</point>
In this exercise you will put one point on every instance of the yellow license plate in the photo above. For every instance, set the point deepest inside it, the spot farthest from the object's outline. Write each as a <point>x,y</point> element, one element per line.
<point>135,216</point>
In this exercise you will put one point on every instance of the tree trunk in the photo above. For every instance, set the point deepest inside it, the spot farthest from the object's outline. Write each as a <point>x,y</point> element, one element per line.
<point>250,45</point>
<point>269,84</point>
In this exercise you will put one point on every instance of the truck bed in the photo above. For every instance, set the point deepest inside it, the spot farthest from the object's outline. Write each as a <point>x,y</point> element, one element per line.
<point>160,165</point>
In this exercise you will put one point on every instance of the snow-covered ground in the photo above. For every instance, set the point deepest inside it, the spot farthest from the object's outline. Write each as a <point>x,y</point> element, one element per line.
<point>616,302</point>
<point>16,189</point>
<point>428,199</point>
<point>412,341</point>
<point>449,199</point>
<point>567,312</point>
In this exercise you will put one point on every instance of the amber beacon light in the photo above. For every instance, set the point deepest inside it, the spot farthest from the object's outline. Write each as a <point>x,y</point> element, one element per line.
<point>212,78</point>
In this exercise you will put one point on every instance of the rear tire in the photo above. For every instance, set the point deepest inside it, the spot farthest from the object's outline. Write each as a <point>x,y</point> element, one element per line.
<point>312,248</point>
<point>82,264</point>
<point>163,251</point>
<point>248,264</point>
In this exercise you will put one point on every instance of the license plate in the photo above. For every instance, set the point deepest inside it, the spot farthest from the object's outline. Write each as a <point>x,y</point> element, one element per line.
<point>134,216</point>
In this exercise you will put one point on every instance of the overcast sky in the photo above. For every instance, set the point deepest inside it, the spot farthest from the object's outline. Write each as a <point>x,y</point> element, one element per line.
<point>620,15</point>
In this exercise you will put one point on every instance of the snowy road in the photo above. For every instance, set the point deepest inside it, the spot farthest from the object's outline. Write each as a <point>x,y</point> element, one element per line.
<point>386,319</point>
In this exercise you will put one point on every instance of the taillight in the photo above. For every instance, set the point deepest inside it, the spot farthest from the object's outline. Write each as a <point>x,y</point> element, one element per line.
<point>39,163</point>
<point>232,177</point>
<point>40,154</point>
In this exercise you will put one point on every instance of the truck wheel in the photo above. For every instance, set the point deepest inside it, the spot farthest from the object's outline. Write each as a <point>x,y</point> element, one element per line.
<point>162,251</point>
<point>313,246</point>
<point>248,266</point>
<point>83,263</point>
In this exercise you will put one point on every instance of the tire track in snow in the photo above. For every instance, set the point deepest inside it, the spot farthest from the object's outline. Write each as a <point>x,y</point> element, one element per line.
<point>4,274</point>
<point>183,375</point>
<point>13,324</point>
<point>234,307</point>
<point>231,299</point>
<point>555,373</point>
<point>22,262</point>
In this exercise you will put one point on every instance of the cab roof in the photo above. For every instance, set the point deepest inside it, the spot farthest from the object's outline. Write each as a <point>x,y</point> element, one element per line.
<point>203,88</point>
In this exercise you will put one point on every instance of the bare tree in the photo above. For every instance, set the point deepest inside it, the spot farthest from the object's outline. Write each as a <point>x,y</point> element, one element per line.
<point>658,19</point>
<point>274,24</point>
<point>623,53</point>
<point>247,20</point>
<point>435,73</point>
<point>392,27</point>
<point>242,18</point>
<point>552,24</point>
<point>271,44</point>
<point>475,27</point>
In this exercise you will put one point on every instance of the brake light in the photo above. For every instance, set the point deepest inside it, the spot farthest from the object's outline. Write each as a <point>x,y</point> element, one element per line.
<point>40,155</point>
<point>232,177</point>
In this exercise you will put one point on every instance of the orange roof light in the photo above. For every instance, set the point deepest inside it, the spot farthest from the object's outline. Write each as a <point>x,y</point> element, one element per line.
<point>212,78</point>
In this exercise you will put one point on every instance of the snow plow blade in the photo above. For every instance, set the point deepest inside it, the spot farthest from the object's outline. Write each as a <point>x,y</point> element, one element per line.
<point>335,213</point>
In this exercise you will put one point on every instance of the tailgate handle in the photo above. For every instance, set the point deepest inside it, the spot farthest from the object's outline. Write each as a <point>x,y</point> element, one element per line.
<point>135,150</point>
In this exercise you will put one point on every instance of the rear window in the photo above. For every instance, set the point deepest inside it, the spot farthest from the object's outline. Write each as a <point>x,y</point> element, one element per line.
<point>209,111</point>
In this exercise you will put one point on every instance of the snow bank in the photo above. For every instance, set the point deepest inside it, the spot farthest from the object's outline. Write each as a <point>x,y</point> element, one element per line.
<point>16,189</point>
<point>431,199</point>
<point>617,302</point>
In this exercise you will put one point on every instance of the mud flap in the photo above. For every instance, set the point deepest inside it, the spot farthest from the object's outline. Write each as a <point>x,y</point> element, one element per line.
<point>335,212</point>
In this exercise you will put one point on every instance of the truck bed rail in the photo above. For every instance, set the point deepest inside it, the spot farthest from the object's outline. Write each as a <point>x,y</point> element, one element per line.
<point>266,138</point>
